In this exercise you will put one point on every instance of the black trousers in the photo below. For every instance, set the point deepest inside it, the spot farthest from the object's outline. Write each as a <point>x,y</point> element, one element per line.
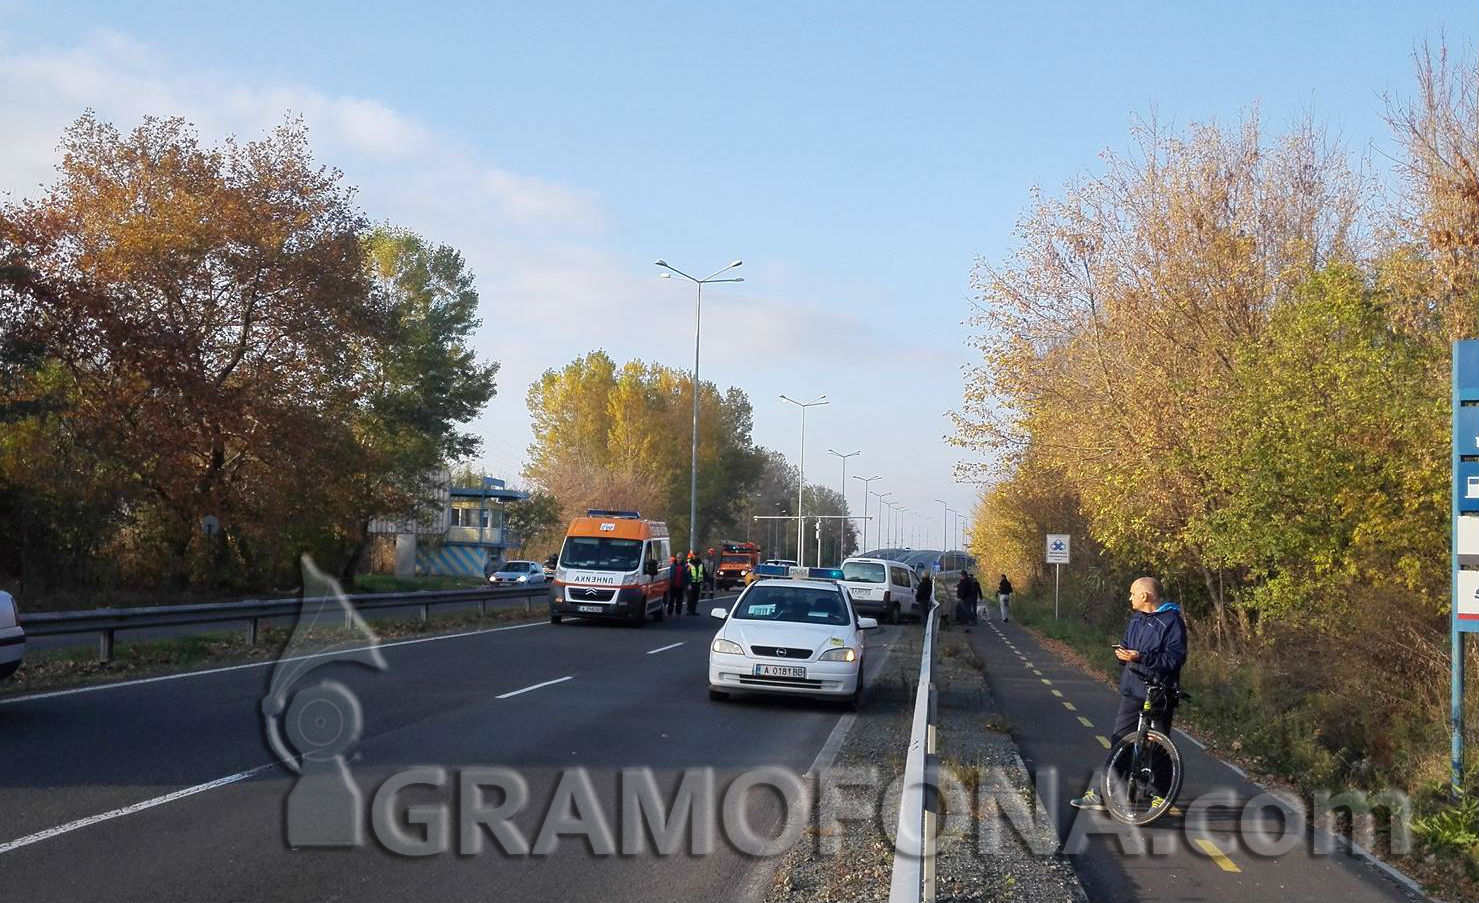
<point>693,590</point>
<point>1128,718</point>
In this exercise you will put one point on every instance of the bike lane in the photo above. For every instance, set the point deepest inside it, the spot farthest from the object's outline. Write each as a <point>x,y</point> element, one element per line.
<point>1061,719</point>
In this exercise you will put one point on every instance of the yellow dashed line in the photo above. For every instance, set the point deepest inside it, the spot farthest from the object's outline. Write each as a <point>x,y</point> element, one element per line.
<point>1103,740</point>
<point>1069,706</point>
<point>1219,857</point>
<point>1086,722</point>
<point>1058,693</point>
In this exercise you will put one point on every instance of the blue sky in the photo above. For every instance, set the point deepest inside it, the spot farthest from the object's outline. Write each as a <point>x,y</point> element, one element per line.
<point>858,156</point>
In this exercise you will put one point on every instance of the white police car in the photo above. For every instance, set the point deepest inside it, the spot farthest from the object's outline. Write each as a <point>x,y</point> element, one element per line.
<point>12,637</point>
<point>794,632</point>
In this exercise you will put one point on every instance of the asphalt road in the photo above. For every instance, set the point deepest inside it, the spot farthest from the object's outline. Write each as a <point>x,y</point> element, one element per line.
<point>1062,718</point>
<point>166,789</point>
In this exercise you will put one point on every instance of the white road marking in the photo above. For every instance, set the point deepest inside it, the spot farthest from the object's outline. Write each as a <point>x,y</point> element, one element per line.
<point>296,658</point>
<point>558,680</point>
<point>663,648</point>
<point>80,823</point>
<point>1194,741</point>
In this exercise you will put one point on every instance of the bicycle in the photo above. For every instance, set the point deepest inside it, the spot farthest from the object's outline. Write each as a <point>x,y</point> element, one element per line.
<point>1142,774</point>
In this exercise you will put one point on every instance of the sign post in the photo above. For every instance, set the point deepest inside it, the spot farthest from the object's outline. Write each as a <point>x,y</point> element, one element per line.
<point>1465,535</point>
<point>1057,557</point>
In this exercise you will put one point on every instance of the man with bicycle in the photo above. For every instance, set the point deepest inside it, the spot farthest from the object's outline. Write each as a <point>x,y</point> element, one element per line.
<point>1153,650</point>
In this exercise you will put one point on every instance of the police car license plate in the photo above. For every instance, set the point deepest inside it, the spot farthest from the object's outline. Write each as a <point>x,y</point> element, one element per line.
<point>780,671</point>
<point>593,609</point>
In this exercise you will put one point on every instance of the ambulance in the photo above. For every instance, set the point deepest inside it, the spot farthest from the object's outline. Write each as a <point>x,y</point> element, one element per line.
<point>612,566</point>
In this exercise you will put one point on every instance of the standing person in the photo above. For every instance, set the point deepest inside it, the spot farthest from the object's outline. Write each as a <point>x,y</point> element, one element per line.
<point>968,592</point>
<point>922,594</point>
<point>1154,647</point>
<point>1004,598</point>
<point>694,582</point>
<point>675,586</point>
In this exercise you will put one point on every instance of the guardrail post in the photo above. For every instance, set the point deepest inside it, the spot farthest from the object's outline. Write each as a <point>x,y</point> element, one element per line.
<point>251,631</point>
<point>105,646</point>
<point>425,612</point>
<point>482,608</point>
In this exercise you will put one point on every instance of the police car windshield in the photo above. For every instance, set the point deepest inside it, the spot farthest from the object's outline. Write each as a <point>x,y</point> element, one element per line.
<point>864,572</point>
<point>797,604</point>
<point>601,553</point>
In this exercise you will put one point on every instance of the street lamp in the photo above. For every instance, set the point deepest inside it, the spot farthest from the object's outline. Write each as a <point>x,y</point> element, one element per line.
<point>882,535</point>
<point>842,524</point>
<point>698,309</point>
<point>801,473</point>
<point>866,481</point>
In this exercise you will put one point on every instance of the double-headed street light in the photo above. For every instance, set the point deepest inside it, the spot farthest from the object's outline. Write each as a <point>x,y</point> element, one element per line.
<point>698,305</point>
<point>801,473</point>
<point>866,481</point>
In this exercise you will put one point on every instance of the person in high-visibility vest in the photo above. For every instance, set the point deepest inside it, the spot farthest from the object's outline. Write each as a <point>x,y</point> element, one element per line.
<point>695,583</point>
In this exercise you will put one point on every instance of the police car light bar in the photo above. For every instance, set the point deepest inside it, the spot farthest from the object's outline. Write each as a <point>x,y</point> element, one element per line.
<point>796,572</point>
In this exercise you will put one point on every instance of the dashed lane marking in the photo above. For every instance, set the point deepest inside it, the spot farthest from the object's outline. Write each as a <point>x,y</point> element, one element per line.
<point>1217,856</point>
<point>548,683</point>
<point>1057,693</point>
<point>1103,740</point>
<point>1069,706</point>
<point>1086,722</point>
<point>663,648</point>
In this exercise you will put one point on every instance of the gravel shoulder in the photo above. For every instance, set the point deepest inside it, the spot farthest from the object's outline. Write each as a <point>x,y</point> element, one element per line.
<point>995,841</point>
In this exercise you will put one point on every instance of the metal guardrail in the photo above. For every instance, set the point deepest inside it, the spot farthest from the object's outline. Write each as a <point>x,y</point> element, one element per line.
<point>913,879</point>
<point>105,622</point>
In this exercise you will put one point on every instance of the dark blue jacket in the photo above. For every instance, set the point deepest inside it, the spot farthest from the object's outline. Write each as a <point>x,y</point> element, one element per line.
<point>1160,638</point>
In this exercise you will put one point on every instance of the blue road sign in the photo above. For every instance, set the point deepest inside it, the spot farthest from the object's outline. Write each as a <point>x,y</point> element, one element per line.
<point>1464,536</point>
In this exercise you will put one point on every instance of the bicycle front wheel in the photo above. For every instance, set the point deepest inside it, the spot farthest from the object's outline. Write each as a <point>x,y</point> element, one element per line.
<point>1140,785</point>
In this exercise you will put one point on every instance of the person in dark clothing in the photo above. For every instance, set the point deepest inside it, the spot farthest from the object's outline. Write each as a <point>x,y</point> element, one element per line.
<point>1154,647</point>
<point>967,594</point>
<point>922,595</point>
<point>1004,598</point>
<point>675,586</point>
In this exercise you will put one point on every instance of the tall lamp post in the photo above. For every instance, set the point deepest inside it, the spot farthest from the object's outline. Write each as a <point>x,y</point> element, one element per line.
<point>882,535</point>
<point>946,525</point>
<point>842,524</point>
<point>698,309</point>
<point>801,473</point>
<point>866,481</point>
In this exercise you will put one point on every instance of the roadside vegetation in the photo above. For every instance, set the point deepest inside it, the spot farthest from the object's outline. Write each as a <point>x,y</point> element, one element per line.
<point>1223,359</point>
<point>211,362</point>
<point>609,435</point>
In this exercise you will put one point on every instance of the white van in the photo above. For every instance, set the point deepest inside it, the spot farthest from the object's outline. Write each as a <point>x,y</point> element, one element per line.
<point>12,637</point>
<point>880,587</point>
